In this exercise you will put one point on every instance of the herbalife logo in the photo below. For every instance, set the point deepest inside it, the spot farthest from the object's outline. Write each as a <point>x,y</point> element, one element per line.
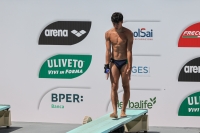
<point>65,66</point>
<point>78,34</point>
<point>190,106</point>
<point>142,104</point>
<point>190,71</point>
<point>65,33</point>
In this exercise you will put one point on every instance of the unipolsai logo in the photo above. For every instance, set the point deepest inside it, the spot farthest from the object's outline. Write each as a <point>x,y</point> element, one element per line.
<point>190,72</point>
<point>64,32</point>
<point>65,66</point>
<point>140,71</point>
<point>190,106</point>
<point>143,34</point>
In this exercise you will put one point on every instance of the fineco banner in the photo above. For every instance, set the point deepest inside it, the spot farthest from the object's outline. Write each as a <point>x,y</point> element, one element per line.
<point>53,55</point>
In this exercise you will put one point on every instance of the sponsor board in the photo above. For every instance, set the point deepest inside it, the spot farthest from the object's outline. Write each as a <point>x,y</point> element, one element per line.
<point>190,72</point>
<point>190,105</point>
<point>65,98</point>
<point>190,37</point>
<point>65,66</point>
<point>64,33</point>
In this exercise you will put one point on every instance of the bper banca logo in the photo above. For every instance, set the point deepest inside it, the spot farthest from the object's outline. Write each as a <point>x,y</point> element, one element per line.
<point>65,33</point>
<point>60,100</point>
<point>190,37</point>
<point>190,72</point>
<point>69,97</point>
<point>66,98</point>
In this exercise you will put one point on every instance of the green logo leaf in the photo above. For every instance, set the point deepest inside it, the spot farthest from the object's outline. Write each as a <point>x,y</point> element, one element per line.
<point>154,98</point>
<point>190,106</point>
<point>151,99</point>
<point>65,66</point>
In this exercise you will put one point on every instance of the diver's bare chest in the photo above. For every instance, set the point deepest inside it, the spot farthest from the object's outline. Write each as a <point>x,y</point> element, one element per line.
<point>118,39</point>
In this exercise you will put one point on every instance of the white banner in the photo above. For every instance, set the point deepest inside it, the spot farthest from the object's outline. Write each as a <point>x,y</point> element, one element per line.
<point>53,53</point>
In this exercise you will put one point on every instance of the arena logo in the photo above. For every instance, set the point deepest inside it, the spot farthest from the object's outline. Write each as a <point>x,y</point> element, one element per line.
<point>65,32</point>
<point>190,37</point>
<point>190,72</point>
<point>143,34</point>
<point>140,71</point>
<point>190,106</point>
<point>65,66</point>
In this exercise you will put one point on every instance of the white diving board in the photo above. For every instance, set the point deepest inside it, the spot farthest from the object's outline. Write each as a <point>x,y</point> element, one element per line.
<point>4,107</point>
<point>106,124</point>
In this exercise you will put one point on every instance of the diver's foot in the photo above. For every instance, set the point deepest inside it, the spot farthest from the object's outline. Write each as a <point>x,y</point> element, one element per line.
<point>123,114</point>
<point>114,115</point>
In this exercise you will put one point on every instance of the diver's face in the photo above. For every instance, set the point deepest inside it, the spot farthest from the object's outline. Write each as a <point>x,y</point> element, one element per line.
<point>117,26</point>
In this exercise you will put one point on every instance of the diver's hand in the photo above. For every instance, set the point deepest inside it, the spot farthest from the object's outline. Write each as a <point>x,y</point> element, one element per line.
<point>128,72</point>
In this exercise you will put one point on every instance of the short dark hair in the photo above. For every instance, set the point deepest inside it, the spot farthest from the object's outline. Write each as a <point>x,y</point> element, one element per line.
<point>116,17</point>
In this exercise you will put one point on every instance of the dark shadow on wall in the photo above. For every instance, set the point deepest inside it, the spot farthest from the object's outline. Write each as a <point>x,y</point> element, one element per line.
<point>8,130</point>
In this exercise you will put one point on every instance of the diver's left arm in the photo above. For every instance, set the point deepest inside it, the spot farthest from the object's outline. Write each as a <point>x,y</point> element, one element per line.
<point>129,52</point>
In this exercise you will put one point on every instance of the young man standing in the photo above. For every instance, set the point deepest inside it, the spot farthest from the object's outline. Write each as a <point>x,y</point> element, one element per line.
<point>119,41</point>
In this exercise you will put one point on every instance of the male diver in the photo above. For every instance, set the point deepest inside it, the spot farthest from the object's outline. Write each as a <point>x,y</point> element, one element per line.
<point>118,61</point>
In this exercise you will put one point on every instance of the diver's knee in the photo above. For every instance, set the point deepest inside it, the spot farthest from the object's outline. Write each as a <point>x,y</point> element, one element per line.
<point>114,86</point>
